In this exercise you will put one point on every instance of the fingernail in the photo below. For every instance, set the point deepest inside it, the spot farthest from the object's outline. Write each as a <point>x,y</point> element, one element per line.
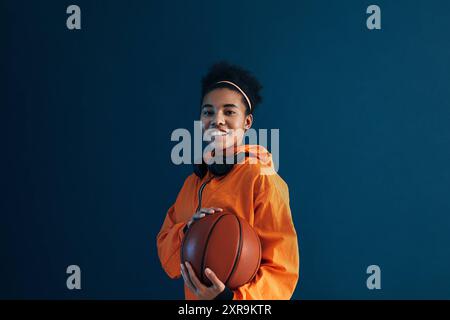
<point>207,270</point>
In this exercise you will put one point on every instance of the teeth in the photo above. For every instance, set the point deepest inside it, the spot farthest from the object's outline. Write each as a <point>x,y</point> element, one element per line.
<point>218,133</point>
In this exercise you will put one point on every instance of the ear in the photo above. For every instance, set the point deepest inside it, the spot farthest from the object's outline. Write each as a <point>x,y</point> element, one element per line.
<point>248,122</point>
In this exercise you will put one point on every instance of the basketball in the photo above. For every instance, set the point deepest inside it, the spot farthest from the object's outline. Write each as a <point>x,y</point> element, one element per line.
<point>226,244</point>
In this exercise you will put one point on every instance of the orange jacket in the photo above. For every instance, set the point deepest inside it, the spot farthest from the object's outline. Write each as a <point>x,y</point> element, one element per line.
<point>256,193</point>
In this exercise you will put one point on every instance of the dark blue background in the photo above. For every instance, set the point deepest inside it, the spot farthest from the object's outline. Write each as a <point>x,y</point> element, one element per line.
<point>86,118</point>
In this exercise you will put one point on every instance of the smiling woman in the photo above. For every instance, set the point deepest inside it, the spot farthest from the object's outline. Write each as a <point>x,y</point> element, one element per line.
<point>224,118</point>
<point>226,110</point>
<point>250,189</point>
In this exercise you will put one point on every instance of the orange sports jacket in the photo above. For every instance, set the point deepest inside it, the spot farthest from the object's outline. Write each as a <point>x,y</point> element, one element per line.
<point>255,192</point>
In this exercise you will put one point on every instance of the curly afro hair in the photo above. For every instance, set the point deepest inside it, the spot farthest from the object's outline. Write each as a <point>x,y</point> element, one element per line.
<point>244,79</point>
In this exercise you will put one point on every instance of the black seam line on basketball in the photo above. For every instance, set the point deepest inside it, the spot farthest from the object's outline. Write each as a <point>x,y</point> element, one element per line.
<point>182,245</point>
<point>182,251</point>
<point>237,254</point>
<point>200,191</point>
<point>259,256</point>
<point>239,250</point>
<point>206,244</point>
<point>198,208</point>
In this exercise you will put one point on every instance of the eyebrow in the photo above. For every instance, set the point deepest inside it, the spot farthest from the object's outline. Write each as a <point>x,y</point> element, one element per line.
<point>230,105</point>
<point>225,105</point>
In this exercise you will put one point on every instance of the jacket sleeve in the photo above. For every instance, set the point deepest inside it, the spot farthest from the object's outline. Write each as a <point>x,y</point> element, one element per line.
<point>279,270</point>
<point>169,243</point>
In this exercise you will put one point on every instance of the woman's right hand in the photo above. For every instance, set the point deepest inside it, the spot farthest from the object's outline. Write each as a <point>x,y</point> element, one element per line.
<point>201,213</point>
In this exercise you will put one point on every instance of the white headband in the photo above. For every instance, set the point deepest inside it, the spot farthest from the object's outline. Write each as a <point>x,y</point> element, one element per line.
<point>240,90</point>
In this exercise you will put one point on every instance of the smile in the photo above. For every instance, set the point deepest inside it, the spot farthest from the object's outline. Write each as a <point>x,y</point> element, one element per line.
<point>218,133</point>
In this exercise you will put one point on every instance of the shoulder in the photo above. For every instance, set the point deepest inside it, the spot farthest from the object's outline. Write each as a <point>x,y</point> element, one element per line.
<point>265,179</point>
<point>190,179</point>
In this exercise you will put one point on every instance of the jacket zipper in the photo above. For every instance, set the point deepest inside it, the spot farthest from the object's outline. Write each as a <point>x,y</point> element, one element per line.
<point>200,191</point>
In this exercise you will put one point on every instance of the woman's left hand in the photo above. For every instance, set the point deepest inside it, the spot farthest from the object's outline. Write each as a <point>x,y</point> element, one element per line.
<point>199,289</point>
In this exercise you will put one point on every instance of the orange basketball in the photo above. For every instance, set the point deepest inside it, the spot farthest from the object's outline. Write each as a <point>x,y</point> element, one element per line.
<point>226,244</point>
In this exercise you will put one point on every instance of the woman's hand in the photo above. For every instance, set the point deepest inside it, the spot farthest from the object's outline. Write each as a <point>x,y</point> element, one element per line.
<point>201,213</point>
<point>199,289</point>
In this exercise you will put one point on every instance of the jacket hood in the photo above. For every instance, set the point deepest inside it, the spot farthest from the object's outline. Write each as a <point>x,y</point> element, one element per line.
<point>256,154</point>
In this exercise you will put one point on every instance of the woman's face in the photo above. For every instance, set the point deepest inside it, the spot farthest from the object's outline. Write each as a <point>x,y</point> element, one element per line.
<point>223,118</point>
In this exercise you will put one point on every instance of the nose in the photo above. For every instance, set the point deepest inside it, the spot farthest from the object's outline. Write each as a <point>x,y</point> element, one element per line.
<point>218,120</point>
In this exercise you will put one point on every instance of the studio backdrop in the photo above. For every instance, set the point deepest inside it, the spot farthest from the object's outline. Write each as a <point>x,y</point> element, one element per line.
<point>359,91</point>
